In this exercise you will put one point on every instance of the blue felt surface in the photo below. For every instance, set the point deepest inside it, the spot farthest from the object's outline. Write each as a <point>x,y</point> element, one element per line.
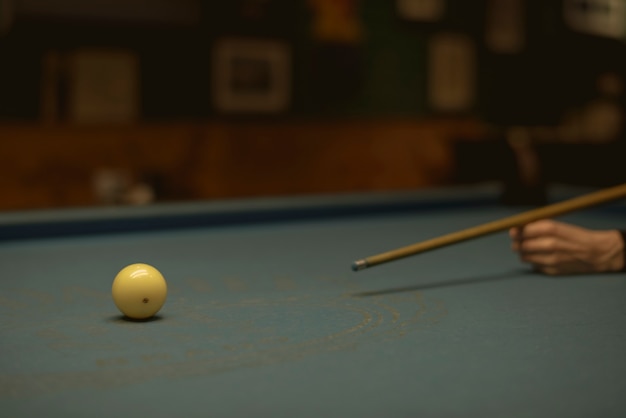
<point>268,320</point>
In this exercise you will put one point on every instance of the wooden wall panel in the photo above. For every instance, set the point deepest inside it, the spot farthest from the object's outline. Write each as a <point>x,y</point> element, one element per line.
<point>54,166</point>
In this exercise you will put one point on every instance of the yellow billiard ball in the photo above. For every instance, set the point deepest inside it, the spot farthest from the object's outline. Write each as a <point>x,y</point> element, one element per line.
<point>139,291</point>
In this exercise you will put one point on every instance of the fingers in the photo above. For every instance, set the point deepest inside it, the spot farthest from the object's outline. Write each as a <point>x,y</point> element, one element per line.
<point>548,227</point>
<point>545,227</point>
<point>541,259</point>
<point>561,269</point>
<point>545,236</point>
<point>552,264</point>
<point>515,233</point>
<point>542,245</point>
<point>537,236</point>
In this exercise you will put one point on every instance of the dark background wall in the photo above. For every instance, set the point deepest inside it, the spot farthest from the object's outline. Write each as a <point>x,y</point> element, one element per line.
<point>372,64</point>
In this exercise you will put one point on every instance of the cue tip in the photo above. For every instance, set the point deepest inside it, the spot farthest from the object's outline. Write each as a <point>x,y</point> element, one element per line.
<point>359,265</point>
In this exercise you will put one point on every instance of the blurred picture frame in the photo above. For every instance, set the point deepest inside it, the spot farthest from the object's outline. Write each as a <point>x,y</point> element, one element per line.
<point>606,18</point>
<point>104,86</point>
<point>421,10</point>
<point>251,76</point>
<point>7,12</point>
<point>451,72</point>
<point>505,30</point>
<point>91,86</point>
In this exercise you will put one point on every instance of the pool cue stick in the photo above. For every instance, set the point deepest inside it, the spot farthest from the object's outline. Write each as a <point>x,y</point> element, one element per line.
<point>553,210</point>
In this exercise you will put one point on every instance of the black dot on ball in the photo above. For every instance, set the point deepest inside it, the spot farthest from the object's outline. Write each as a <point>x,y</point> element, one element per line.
<point>145,300</point>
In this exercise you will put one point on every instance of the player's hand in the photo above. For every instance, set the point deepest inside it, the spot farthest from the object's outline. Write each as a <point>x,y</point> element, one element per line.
<point>557,248</point>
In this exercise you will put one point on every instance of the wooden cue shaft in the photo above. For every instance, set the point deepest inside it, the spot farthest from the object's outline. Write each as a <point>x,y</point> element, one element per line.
<point>553,210</point>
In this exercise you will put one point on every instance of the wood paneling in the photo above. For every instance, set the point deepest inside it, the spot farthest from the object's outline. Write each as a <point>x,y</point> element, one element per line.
<point>54,166</point>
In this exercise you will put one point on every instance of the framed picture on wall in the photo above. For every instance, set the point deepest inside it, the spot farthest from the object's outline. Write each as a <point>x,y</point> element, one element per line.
<point>7,10</point>
<point>102,86</point>
<point>596,17</point>
<point>505,26</point>
<point>251,76</point>
<point>421,10</point>
<point>451,72</point>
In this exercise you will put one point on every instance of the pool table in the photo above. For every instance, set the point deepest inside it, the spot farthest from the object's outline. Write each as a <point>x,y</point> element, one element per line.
<point>265,318</point>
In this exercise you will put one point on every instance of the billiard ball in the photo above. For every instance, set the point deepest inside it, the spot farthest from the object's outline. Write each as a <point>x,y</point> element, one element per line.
<point>139,291</point>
